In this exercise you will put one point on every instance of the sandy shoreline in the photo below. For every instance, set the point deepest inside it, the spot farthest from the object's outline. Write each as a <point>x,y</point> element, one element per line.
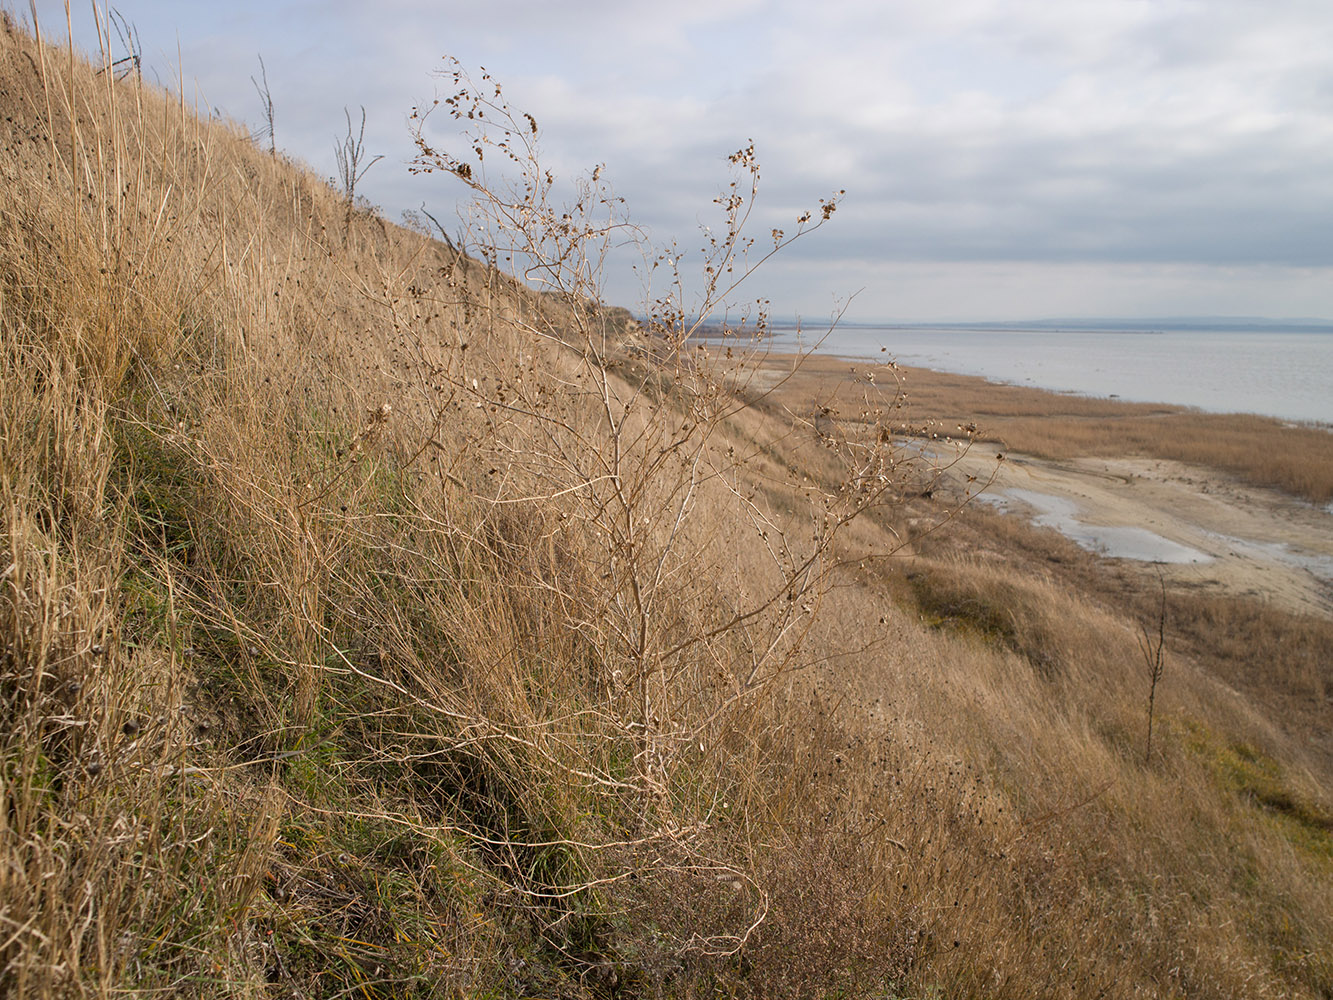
<point>1213,530</point>
<point>1220,533</point>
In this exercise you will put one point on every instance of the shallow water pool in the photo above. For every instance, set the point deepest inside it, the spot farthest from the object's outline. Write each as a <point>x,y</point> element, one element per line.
<point>1115,541</point>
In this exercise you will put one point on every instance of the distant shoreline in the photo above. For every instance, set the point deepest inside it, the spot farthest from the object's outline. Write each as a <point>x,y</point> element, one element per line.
<point>1284,375</point>
<point>1261,450</point>
<point>1163,325</point>
<point>914,373</point>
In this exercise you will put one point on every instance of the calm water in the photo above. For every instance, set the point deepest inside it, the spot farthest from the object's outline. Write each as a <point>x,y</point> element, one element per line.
<point>1118,541</point>
<point>1288,375</point>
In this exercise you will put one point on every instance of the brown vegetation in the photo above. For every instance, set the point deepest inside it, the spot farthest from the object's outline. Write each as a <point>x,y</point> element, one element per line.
<point>1280,660</point>
<point>1263,451</point>
<point>1260,450</point>
<point>339,658</point>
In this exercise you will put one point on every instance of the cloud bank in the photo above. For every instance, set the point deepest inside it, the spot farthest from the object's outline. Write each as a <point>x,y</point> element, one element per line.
<point>1002,158</point>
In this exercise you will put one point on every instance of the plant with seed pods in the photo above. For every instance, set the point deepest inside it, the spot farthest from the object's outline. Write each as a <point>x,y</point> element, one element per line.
<point>653,420</point>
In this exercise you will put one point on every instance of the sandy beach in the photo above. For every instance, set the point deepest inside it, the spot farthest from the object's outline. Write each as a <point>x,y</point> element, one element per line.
<point>1205,527</point>
<point>1201,526</point>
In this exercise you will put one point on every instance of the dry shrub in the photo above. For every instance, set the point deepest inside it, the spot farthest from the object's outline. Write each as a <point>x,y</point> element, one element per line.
<point>328,669</point>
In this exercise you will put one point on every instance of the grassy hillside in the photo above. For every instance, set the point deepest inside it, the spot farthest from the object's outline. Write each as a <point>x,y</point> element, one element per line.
<point>376,626</point>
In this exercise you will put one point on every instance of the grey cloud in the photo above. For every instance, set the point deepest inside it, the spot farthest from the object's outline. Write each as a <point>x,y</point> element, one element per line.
<point>1021,133</point>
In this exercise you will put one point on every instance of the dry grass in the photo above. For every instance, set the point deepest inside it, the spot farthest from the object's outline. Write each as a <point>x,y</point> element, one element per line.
<point>303,695</point>
<point>1259,450</point>
<point>1280,660</point>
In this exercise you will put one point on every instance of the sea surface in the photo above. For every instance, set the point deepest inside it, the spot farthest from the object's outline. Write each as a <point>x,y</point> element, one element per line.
<point>1279,373</point>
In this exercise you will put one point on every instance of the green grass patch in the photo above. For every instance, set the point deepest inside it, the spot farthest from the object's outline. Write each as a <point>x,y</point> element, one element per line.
<point>1259,780</point>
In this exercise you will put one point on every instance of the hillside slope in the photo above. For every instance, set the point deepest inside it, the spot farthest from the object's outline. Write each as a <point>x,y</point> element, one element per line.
<point>374,625</point>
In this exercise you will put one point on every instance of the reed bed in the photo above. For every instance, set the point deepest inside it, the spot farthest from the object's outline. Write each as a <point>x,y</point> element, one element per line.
<point>1260,450</point>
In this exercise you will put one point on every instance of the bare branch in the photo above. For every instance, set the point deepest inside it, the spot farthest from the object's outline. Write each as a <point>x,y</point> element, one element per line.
<point>266,103</point>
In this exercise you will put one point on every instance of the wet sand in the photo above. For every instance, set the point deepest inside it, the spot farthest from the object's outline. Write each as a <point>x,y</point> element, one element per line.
<point>1204,527</point>
<point>1209,529</point>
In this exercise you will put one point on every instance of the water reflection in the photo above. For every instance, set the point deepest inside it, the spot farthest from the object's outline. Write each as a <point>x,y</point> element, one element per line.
<point>1115,541</point>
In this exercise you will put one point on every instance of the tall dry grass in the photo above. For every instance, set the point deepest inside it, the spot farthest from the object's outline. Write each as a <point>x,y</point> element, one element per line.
<point>305,693</point>
<point>188,365</point>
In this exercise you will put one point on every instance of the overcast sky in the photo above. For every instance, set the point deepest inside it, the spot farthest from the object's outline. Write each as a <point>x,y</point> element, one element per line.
<point>1003,159</point>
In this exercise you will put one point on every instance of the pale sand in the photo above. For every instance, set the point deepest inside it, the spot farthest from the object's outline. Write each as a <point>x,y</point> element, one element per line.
<point>1256,541</point>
